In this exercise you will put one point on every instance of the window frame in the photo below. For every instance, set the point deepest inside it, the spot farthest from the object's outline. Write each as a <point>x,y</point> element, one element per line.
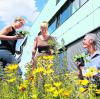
<point>57,1</point>
<point>57,15</point>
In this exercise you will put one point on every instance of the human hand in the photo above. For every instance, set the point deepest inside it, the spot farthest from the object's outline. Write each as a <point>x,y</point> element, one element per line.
<point>78,64</point>
<point>18,36</point>
<point>23,32</point>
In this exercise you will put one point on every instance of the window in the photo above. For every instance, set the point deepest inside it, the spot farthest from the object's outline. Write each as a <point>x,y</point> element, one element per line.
<point>57,1</point>
<point>52,26</point>
<point>75,5</point>
<point>65,14</point>
<point>82,2</point>
<point>58,20</point>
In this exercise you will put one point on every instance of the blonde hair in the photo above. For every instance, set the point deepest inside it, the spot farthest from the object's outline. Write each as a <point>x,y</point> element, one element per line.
<point>44,24</point>
<point>19,19</point>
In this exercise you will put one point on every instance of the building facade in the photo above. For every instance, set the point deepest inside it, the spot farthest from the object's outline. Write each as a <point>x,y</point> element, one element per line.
<point>70,20</point>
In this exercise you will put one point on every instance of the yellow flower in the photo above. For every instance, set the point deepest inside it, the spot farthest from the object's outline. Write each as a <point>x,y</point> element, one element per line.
<point>39,69</point>
<point>60,90</point>
<point>82,89</point>
<point>51,89</point>
<point>11,80</point>
<point>25,82</point>
<point>89,74</point>
<point>49,71</point>
<point>49,57</point>
<point>91,71</point>
<point>94,85</point>
<point>66,93</point>
<point>83,82</point>
<point>97,91</point>
<point>55,93</point>
<point>10,75</point>
<point>34,96</point>
<point>45,57</point>
<point>47,85</point>
<point>22,87</point>
<point>50,65</point>
<point>31,77</point>
<point>57,84</point>
<point>11,67</point>
<point>66,75</point>
<point>79,81</point>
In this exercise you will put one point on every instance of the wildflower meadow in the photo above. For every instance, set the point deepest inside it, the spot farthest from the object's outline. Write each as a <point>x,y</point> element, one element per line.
<point>47,81</point>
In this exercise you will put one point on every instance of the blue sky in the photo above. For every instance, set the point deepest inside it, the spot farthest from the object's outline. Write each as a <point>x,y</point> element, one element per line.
<point>40,4</point>
<point>10,9</point>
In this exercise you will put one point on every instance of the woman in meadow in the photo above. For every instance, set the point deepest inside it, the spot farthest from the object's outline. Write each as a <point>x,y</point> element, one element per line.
<point>44,43</point>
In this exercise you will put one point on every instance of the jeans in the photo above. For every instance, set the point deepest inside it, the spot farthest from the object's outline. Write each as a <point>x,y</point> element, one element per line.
<point>6,57</point>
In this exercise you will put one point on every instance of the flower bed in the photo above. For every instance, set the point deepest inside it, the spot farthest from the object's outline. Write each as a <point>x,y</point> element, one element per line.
<point>46,81</point>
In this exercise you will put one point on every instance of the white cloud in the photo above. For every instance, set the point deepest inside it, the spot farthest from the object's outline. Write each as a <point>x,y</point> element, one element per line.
<point>10,9</point>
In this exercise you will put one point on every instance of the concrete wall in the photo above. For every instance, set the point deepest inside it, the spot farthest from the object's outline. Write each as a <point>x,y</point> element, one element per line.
<point>82,21</point>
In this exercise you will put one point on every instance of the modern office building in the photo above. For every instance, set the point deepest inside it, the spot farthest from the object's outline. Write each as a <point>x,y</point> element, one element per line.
<point>69,21</point>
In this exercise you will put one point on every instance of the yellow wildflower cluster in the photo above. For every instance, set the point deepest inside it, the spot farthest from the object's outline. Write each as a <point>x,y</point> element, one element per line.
<point>51,89</point>
<point>57,90</point>
<point>47,85</point>
<point>11,68</point>
<point>48,71</point>
<point>38,70</point>
<point>66,93</point>
<point>11,80</point>
<point>57,84</point>
<point>22,87</point>
<point>82,89</point>
<point>34,96</point>
<point>97,91</point>
<point>45,60</point>
<point>83,82</point>
<point>90,72</point>
<point>48,57</point>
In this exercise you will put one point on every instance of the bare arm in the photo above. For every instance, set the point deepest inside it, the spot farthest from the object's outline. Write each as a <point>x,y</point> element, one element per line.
<point>5,31</point>
<point>34,48</point>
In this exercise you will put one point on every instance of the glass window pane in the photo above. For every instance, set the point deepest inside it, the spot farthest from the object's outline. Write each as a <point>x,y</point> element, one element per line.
<point>52,27</point>
<point>75,5</point>
<point>57,1</point>
<point>66,13</point>
<point>82,1</point>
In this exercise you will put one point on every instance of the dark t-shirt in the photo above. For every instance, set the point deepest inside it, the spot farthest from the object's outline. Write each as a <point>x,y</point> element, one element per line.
<point>9,44</point>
